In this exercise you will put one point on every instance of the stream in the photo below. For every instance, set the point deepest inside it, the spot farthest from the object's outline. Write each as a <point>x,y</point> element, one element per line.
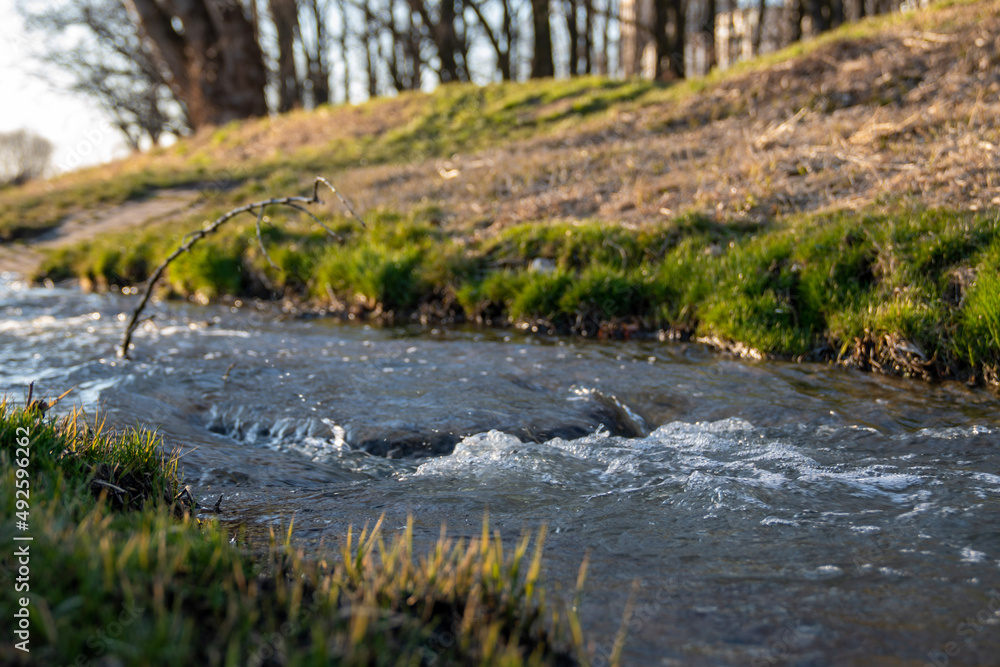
<point>757,513</point>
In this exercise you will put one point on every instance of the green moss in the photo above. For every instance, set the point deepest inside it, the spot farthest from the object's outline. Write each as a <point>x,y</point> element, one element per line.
<point>381,275</point>
<point>540,296</point>
<point>977,333</point>
<point>492,296</point>
<point>210,270</point>
<point>603,293</point>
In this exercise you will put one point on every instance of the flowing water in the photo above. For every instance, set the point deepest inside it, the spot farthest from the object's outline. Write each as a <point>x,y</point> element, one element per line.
<point>757,513</point>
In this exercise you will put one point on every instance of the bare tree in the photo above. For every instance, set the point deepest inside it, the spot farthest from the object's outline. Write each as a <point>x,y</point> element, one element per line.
<point>285,17</point>
<point>316,49</point>
<point>210,51</point>
<point>501,37</point>
<point>342,42</point>
<point>95,43</point>
<point>836,13</point>
<point>669,26</point>
<point>758,34</point>
<point>635,28</point>
<point>370,40</point>
<point>445,28</point>
<point>708,17</point>
<point>589,14</point>
<point>542,64</point>
<point>573,31</point>
<point>24,156</point>
<point>406,62</point>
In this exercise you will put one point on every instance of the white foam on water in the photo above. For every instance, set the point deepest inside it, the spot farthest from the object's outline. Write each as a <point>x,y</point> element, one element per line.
<point>723,464</point>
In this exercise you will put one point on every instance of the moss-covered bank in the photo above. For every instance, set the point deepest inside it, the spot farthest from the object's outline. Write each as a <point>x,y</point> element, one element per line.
<point>144,583</point>
<point>900,289</point>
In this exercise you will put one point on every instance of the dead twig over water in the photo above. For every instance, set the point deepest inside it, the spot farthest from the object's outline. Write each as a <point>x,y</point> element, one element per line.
<point>188,242</point>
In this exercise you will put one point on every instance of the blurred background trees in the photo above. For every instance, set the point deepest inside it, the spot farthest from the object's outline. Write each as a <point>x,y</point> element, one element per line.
<point>93,46</point>
<point>24,156</point>
<point>169,66</point>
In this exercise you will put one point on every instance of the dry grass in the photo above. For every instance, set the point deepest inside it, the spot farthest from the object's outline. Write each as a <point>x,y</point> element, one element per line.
<point>912,113</point>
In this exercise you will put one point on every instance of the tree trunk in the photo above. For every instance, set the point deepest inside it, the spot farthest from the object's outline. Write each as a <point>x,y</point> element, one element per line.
<point>542,65</point>
<point>344,56</point>
<point>215,63</point>
<point>573,28</point>
<point>669,36</point>
<point>285,15</point>
<point>506,59</point>
<point>711,10</point>
<point>606,40</point>
<point>632,42</point>
<point>371,45</point>
<point>446,39</point>
<point>451,48</point>
<point>319,63</point>
<point>677,61</point>
<point>758,35</point>
<point>795,34</point>
<point>836,13</point>
<point>817,14</point>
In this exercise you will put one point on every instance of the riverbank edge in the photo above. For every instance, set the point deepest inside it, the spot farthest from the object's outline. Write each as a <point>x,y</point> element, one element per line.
<point>141,579</point>
<point>899,290</point>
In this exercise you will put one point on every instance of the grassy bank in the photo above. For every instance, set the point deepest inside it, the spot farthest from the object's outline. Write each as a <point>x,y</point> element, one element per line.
<point>903,290</point>
<point>261,155</point>
<point>120,573</point>
<point>614,134</point>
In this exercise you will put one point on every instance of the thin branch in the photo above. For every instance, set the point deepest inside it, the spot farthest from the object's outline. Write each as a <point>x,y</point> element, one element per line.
<point>320,179</point>
<point>317,221</point>
<point>260,241</point>
<point>189,240</point>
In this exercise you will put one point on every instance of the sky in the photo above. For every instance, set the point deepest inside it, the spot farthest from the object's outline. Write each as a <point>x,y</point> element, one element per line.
<point>81,134</point>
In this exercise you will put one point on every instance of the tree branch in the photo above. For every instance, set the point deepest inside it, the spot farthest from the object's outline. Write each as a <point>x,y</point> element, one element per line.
<point>189,240</point>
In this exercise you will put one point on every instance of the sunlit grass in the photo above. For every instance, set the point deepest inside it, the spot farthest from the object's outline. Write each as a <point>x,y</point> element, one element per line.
<point>154,586</point>
<point>812,284</point>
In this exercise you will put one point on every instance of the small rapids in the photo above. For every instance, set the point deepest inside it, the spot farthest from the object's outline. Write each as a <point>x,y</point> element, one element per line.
<point>755,514</point>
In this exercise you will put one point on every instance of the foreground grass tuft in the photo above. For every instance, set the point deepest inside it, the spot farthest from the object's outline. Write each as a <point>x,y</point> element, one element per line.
<point>131,583</point>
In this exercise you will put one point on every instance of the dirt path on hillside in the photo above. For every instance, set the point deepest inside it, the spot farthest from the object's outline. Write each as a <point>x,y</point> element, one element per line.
<point>24,257</point>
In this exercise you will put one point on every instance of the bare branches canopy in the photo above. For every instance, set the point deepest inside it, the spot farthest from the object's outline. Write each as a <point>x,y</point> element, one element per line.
<point>164,65</point>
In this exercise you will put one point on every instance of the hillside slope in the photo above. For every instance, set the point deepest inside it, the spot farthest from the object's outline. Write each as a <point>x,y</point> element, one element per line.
<point>836,200</point>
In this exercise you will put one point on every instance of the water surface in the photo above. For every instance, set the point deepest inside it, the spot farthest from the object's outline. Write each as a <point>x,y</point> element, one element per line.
<point>770,513</point>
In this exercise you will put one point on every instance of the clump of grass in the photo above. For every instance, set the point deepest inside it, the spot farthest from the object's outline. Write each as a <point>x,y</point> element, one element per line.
<point>459,117</point>
<point>138,585</point>
<point>129,467</point>
<point>383,277</point>
<point>209,272</point>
